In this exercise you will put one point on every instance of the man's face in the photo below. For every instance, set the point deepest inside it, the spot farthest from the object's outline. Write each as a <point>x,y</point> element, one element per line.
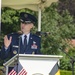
<point>26,27</point>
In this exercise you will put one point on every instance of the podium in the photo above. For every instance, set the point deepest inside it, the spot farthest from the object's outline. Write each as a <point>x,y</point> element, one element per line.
<point>34,64</point>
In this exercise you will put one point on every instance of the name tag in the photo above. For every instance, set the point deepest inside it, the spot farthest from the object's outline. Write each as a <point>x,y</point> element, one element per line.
<point>15,46</point>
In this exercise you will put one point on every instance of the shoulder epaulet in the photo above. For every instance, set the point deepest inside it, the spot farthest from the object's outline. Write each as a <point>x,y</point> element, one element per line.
<point>36,35</point>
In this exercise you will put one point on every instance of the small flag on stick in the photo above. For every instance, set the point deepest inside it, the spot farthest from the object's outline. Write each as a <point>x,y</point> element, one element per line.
<point>18,70</point>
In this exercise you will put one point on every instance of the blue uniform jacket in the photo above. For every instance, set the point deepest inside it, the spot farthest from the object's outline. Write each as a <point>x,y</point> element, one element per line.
<point>33,46</point>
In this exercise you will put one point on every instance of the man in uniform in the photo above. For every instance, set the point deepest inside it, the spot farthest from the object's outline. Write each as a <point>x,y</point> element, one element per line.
<point>25,43</point>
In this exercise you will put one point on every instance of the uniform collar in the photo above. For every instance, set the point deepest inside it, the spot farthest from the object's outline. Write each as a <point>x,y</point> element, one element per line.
<point>26,35</point>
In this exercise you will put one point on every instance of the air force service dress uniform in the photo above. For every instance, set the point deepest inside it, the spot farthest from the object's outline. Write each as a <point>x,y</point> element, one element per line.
<point>33,45</point>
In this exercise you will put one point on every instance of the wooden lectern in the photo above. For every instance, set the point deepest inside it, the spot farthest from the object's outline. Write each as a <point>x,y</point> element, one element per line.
<point>34,64</point>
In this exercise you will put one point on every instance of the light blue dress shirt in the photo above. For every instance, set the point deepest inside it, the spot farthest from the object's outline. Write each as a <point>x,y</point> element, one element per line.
<point>24,37</point>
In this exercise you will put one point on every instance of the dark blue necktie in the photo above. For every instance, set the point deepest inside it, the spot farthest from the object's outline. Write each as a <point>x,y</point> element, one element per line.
<point>25,41</point>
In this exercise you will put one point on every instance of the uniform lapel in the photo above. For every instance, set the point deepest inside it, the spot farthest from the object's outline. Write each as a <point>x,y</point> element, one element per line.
<point>21,47</point>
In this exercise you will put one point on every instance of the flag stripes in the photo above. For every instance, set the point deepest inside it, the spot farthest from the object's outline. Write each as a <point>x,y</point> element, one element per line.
<point>22,72</point>
<point>18,70</point>
<point>13,72</point>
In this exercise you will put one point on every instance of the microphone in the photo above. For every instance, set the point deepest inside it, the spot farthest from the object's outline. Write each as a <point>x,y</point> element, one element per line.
<point>42,33</point>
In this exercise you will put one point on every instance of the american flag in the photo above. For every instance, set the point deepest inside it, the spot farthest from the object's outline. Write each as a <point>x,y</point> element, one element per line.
<point>18,70</point>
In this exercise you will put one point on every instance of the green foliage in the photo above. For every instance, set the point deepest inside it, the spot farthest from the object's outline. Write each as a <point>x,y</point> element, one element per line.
<point>65,63</point>
<point>59,26</point>
<point>9,20</point>
<point>72,52</point>
<point>64,72</point>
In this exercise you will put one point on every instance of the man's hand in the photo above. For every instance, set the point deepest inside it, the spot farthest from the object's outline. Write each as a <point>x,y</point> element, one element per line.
<point>7,41</point>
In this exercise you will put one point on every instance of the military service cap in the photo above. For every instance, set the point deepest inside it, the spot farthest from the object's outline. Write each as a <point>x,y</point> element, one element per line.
<point>27,18</point>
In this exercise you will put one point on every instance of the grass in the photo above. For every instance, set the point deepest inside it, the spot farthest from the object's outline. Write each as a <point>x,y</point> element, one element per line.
<point>64,72</point>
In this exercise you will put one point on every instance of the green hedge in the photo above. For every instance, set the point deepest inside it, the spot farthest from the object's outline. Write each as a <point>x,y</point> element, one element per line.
<point>63,72</point>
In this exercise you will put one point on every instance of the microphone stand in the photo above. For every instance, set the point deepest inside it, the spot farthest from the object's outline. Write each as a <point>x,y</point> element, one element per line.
<point>71,60</point>
<point>18,53</point>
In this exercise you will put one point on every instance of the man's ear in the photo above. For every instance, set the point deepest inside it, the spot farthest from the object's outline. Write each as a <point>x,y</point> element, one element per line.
<point>32,26</point>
